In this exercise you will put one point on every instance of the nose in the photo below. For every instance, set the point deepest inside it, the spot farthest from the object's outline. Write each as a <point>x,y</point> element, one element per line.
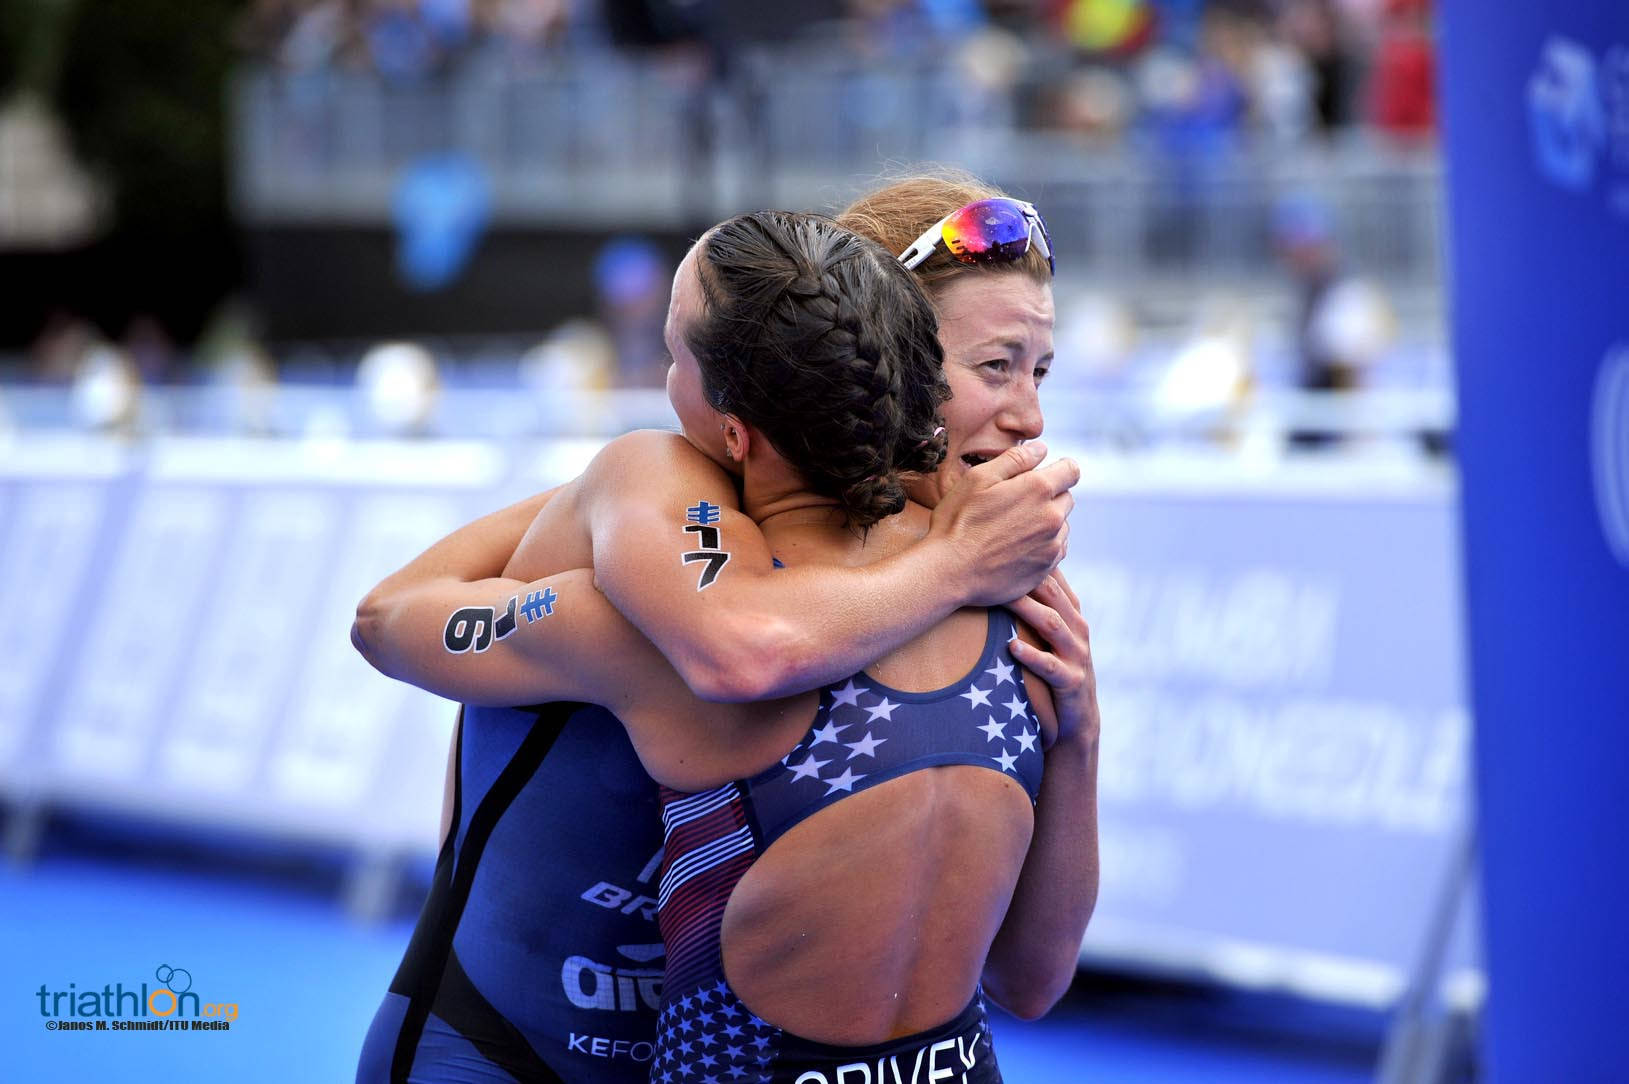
<point>1022,414</point>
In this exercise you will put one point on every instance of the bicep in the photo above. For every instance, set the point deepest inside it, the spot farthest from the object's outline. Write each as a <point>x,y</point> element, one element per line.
<point>672,551</point>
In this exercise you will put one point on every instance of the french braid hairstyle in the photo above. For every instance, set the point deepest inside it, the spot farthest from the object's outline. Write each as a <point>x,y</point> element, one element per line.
<point>897,213</point>
<point>823,342</point>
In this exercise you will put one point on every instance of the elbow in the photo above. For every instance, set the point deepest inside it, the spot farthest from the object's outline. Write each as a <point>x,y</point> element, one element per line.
<point>1036,1005</point>
<point>747,660</point>
<point>1029,1000</point>
<point>1028,990</point>
<point>367,629</point>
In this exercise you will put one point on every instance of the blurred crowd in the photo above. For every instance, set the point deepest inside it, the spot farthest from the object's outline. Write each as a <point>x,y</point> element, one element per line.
<point>1182,78</point>
<point>1182,71</point>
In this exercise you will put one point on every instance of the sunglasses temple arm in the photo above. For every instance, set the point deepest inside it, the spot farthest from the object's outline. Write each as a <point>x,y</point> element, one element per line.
<point>921,248</point>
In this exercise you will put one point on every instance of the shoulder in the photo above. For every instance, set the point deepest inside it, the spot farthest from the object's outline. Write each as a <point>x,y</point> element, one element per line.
<point>646,476</point>
<point>648,459</point>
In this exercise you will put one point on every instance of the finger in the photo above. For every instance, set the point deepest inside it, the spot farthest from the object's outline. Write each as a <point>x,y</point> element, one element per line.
<point>1050,626</point>
<point>1048,667</point>
<point>1053,592</point>
<point>1074,599</point>
<point>1012,462</point>
<point>1061,476</point>
<point>1060,504</point>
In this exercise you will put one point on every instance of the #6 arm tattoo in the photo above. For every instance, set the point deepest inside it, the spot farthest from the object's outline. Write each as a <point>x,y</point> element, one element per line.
<point>702,518</point>
<point>476,628</point>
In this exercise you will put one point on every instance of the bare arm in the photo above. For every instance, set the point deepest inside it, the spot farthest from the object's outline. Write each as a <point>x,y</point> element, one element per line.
<point>1034,956</point>
<point>466,621</point>
<point>698,579</point>
<point>750,633</point>
<point>475,551</point>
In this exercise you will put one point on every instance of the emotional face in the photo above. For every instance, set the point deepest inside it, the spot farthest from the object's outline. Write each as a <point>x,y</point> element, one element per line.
<point>996,330</point>
<point>698,421</point>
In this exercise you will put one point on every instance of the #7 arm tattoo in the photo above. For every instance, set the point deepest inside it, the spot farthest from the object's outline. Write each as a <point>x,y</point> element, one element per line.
<point>702,517</point>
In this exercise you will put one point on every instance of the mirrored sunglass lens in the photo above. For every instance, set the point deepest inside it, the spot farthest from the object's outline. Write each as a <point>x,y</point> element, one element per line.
<point>987,230</point>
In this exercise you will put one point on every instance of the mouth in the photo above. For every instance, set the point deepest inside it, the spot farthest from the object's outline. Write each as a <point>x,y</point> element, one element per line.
<point>973,459</point>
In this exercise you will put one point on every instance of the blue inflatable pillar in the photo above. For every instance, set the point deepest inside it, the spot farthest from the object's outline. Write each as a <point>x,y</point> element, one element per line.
<point>1535,103</point>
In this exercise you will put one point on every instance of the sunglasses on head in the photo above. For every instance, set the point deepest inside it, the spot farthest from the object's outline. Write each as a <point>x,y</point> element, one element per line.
<point>985,231</point>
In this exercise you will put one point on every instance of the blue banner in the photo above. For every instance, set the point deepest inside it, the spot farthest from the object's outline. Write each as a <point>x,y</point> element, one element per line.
<point>1284,730</point>
<point>1536,116</point>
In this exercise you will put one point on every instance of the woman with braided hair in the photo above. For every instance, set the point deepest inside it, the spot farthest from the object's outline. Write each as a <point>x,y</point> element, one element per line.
<point>851,873</point>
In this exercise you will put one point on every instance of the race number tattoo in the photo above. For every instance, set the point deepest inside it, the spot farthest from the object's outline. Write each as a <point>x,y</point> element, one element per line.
<point>702,517</point>
<point>476,628</point>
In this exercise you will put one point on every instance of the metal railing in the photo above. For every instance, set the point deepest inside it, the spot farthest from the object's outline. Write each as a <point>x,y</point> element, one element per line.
<point>602,140</point>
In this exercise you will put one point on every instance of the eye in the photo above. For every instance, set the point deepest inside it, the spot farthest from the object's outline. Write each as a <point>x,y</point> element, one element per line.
<point>1041,371</point>
<point>994,365</point>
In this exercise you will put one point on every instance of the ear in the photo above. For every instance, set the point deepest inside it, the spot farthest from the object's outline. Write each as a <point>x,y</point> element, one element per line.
<point>737,438</point>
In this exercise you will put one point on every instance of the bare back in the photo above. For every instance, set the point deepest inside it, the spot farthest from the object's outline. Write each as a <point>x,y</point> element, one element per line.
<point>872,918</point>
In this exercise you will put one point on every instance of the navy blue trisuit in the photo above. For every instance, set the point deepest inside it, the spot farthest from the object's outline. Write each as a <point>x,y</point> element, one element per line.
<point>536,956</point>
<point>864,733</point>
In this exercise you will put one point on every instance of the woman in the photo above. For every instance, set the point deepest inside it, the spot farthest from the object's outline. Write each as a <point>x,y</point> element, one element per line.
<point>972,248</point>
<point>423,961</point>
<point>771,905</point>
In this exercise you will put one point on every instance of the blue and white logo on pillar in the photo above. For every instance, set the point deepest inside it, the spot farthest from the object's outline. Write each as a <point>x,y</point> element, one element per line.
<point>1566,115</point>
<point>1609,444</point>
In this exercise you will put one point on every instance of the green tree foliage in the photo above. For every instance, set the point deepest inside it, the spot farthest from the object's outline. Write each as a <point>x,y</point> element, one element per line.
<point>142,87</point>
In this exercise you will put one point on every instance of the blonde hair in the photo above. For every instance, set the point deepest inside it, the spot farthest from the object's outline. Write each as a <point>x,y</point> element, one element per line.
<point>897,213</point>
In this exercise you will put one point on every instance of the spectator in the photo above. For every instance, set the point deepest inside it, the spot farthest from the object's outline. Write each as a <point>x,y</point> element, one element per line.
<point>1313,29</point>
<point>631,277</point>
<point>1402,91</point>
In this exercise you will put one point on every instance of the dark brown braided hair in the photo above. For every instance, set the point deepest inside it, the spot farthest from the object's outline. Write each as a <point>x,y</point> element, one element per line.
<point>821,340</point>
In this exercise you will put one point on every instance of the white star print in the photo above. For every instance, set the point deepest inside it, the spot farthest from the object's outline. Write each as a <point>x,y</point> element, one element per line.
<point>828,732</point>
<point>1007,760</point>
<point>1002,672</point>
<point>809,769</point>
<point>849,694</point>
<point>1026,741</point>
<point>865,747</point>
<point>978,697</point>
<point>844,782</point>
<point>1016,706</point>
<point>996,731</point>
<point>884,710</point>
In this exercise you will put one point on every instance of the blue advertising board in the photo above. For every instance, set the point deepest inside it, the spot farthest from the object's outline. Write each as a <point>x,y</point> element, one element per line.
<point>1536,118</point>
<point>1284,732</point>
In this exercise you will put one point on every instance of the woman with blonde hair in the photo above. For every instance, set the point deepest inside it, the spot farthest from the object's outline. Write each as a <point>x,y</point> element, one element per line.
<point>1031,926</point>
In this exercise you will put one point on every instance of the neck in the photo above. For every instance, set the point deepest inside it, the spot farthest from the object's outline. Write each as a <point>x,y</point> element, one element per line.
<point>792,510</point>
